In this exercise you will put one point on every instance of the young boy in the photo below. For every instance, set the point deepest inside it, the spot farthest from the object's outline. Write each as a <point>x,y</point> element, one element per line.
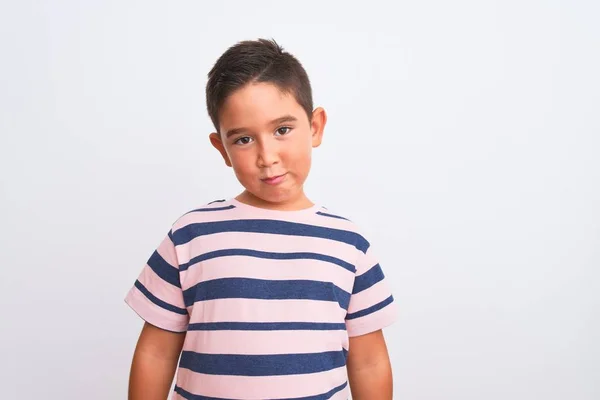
<point>265,295</point>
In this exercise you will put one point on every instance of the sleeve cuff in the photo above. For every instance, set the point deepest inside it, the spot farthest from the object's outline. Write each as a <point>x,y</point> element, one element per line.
<point>373,322</point>
<point>153,314</point>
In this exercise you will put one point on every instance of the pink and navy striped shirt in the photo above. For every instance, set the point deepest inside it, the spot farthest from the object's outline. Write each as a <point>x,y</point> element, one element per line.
<point>268,299</point>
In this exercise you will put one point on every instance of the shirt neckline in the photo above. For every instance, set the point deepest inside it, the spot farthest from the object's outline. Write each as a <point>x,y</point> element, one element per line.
<point>280,213</point>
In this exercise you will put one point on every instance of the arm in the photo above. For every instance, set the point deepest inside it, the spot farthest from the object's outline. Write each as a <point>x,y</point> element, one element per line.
<point>154,363</point>
<point>369,368</point>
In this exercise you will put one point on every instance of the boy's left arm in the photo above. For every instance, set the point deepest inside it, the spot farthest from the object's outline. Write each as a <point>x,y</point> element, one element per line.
<point>369,367</point>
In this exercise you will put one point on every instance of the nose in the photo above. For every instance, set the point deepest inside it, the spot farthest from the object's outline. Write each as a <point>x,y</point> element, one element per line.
<point>267,154</point>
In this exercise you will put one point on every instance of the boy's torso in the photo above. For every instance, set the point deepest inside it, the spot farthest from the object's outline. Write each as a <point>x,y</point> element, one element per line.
<point>267,294</point>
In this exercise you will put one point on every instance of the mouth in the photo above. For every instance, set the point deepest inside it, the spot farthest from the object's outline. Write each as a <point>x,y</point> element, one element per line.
<point>274,180</point>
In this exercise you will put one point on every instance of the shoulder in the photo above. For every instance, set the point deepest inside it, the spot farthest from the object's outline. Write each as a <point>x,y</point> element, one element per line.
<point>340,221</point>
<point>216,210</point>
<point>336,219</point>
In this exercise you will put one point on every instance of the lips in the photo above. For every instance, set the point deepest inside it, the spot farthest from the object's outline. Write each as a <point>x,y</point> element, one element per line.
<point>274,179</point>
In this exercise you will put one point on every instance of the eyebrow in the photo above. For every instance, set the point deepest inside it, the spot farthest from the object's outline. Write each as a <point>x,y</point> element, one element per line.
<point>277,121</point>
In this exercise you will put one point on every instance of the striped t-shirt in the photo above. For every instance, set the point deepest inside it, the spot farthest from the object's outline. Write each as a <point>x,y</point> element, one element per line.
<point>268,300</point>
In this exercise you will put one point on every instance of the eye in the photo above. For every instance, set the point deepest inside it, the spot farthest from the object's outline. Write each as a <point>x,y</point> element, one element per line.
<point>284,130</point>
<point>243,140</point>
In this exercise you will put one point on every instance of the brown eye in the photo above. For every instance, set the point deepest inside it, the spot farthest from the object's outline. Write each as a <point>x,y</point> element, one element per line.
<point>284,130</point>
<point>243,140</point>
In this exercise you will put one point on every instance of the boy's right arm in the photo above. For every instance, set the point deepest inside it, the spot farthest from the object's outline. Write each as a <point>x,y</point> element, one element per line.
<point>154,363</point>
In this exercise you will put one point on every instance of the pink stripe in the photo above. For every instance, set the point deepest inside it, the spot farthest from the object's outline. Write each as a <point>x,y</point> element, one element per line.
<point>161,289</point>
<point>194,217</point>
<point>259,387</point>
<point>366,261</point>
<point>266,242</point>
<point>261,268</point>
<point>369,297</point>
<point>342,395</point>
<point>154,314</point>
<point>240,214</point>
<point>259,310</point>
<point>211,216</point>
<point>334,223</point>
<point>265,342</point>
<point>372,322</point>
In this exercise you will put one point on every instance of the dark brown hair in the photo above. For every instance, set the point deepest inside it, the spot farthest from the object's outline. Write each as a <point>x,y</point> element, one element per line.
<point>256,61</point>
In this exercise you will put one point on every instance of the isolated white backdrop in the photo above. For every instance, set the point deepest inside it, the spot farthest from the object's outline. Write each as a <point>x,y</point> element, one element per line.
<point>464,137</point>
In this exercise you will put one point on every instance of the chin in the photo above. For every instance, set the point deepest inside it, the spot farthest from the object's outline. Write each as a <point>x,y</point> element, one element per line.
<point>275,196</point>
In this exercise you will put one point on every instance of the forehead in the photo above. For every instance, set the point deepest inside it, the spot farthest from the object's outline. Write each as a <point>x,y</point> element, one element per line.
<point>256,104</point>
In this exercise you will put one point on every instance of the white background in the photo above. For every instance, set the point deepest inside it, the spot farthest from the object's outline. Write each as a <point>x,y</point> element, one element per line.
<point>463,136</point>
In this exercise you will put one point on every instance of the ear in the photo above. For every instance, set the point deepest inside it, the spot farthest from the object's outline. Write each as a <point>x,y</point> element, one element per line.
<point>317,125</point>
<point>215,140</point>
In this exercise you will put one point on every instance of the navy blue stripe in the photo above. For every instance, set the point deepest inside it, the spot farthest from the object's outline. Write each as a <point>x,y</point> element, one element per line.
<point>170,234</point>
<point>371,309</point>
<point>189,396</point>
<point>331,215</point>
<point>158,301</point>
<point>216,201</point>
<point>368,279</point>
<point>192,231</point>
<point>323,396</point>
<point>268,255</point>
<point>163,269</point>
<point>213,209</point>
<point>267,326</point>
<point>248,288</point>
<point>262,365</point>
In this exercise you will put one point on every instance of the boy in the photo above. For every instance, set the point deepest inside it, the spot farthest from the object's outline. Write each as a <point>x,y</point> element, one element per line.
<point>265,295</point>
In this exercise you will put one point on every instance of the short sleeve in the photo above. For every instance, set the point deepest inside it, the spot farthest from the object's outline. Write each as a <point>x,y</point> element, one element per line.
<point>156,295</point>
<point>372,306</point>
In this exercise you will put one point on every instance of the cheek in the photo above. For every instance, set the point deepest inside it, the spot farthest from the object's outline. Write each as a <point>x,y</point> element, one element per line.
<point>300,158</point>
<point>241,161</point>
<point>300,149</point>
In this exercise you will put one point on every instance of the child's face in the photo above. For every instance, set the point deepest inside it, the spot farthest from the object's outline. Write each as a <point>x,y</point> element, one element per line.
<point>266,134</point>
